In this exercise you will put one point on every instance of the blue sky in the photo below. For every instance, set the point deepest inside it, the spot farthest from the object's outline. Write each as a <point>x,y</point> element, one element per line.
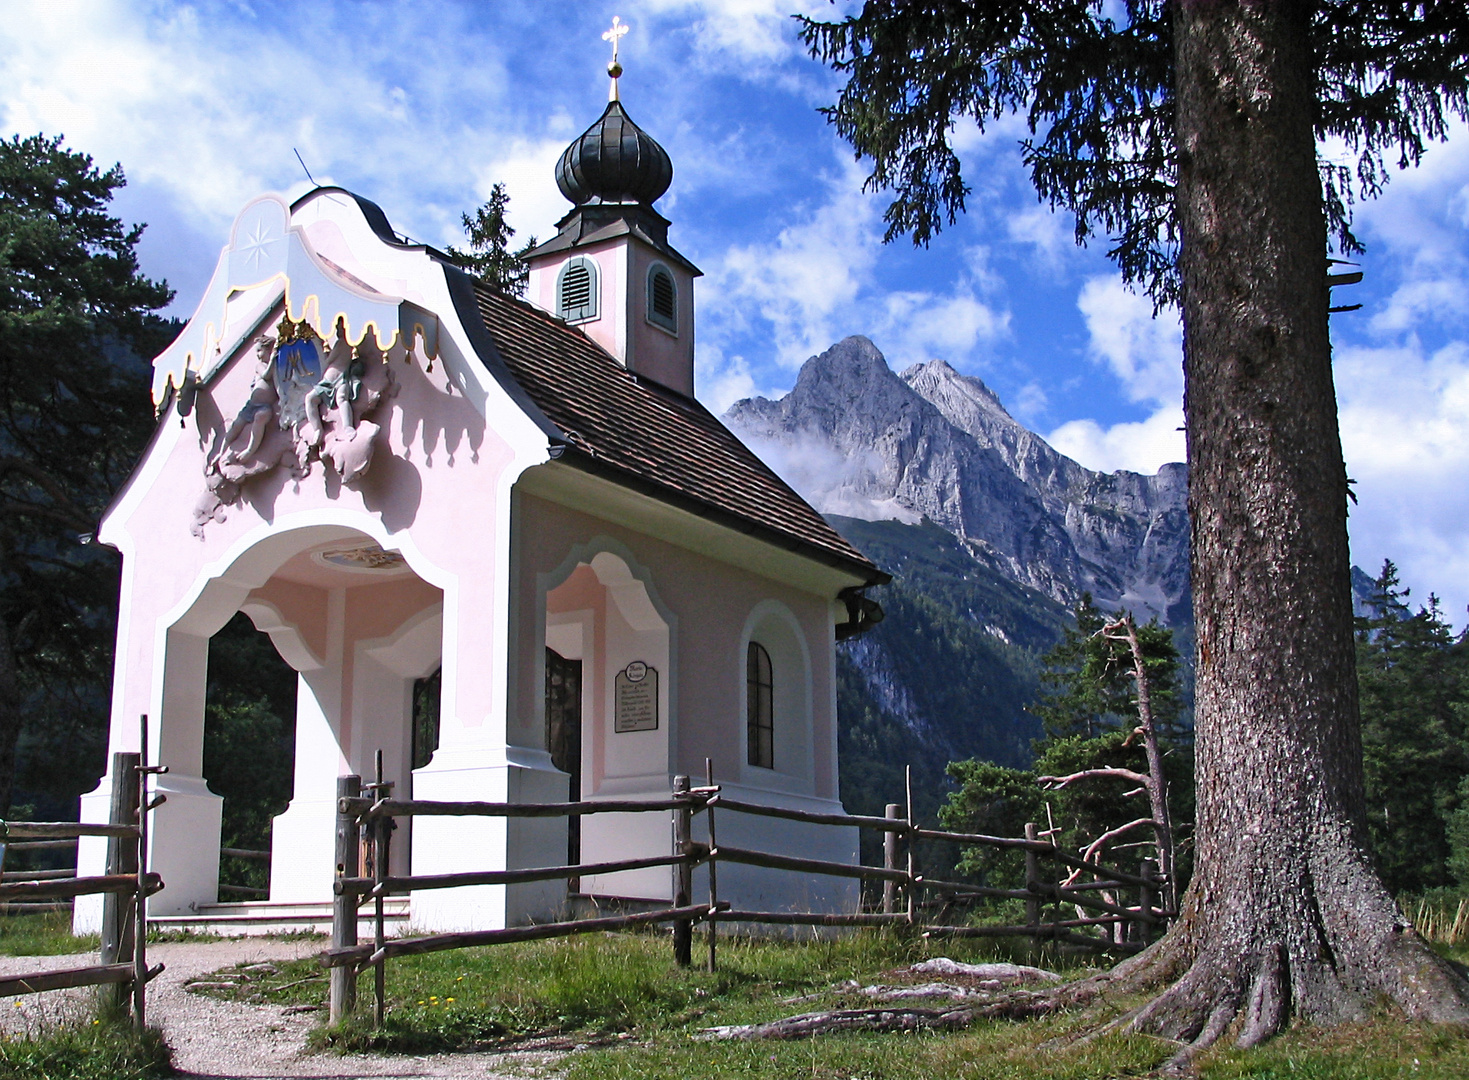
<point>421,107</point>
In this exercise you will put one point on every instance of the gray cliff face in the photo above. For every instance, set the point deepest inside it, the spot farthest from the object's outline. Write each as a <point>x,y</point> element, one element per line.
<point>856,439</point>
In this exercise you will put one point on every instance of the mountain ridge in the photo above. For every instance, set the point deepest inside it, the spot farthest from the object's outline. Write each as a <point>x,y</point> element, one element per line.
<point>861,441</point>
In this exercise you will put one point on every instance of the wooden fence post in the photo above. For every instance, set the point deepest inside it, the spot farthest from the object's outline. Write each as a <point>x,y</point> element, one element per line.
<point>890,860</point>
<point>382,837</point>
<point>122,858</point>
<point>344,904</point>
<point>140,904</point>
<point>1033,885</point>
<point>1147,898</point>
<point>911,846</point>
<point>713,860</point>
<point>683,837</point>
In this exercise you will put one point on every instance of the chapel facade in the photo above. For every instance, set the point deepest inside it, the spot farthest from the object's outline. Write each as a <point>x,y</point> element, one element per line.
<point>399,473</point>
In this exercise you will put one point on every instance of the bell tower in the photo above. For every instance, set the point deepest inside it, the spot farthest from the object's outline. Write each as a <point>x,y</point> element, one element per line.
<point>610,270</point>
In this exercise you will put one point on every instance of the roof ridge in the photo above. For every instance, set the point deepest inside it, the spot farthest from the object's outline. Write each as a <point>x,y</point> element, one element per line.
<point>666,444</point>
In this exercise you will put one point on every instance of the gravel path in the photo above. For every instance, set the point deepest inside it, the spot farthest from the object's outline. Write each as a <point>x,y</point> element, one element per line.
<point>229,1040</point>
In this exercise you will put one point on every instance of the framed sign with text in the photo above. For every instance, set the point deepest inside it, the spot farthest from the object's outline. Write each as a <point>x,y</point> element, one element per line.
<point>635,691</point>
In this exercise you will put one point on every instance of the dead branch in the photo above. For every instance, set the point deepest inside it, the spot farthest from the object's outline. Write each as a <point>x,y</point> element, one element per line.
<point>1124,629</point>
<point>1056,783</point>
<point>1016,1005</point>
<point>1094,849</point>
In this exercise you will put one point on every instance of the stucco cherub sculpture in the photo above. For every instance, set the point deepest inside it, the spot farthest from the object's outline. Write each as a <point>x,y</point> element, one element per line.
<point>256,415</point>
<point>308,399</point>
<point>337,407</point>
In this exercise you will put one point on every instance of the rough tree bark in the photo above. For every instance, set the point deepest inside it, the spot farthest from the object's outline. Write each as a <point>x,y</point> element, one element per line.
<point>1285,915</point>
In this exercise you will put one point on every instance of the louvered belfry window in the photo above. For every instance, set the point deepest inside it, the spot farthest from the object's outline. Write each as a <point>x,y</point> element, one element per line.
<point>576,291</point>
<point>759,707</point>
<point>662,299</point>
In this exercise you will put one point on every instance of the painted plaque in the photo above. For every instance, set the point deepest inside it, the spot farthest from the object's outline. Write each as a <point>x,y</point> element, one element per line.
<point>636,691</point>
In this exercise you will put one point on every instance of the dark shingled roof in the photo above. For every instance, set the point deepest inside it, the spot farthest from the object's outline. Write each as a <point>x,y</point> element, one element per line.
<point>644,436</point>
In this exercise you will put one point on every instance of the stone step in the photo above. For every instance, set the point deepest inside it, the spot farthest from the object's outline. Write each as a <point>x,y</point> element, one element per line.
<point>265,917</point>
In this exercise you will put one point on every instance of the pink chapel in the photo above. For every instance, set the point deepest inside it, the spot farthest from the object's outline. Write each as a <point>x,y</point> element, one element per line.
<point>395,470</point>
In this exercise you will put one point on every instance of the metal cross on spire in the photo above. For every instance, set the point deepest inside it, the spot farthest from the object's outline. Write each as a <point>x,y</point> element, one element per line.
<point>614,69</point>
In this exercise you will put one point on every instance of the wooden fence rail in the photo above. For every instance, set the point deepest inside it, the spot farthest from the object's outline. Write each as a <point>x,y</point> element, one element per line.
<point>1127,927</point>
<point>123,973</point>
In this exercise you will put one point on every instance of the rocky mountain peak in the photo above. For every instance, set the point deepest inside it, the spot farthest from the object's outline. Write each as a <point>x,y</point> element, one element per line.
<point>957,396</point>
<point>857,440</point>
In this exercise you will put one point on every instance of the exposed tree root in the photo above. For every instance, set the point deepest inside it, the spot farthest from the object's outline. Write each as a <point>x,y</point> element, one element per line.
<point>1019,1005</point>
<point>824,1023</point>
<point>1250,974</point>
<point>1206,997</point>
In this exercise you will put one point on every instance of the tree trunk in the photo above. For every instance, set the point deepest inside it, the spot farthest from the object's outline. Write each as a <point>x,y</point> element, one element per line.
<point>11,717</point>
<point>1285,914</point>
<point>1157,782</point>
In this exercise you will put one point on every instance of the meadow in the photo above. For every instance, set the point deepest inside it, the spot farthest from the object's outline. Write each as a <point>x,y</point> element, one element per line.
<point>622,1009</point>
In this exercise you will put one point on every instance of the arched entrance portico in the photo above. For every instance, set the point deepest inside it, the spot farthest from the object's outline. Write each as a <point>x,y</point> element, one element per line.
<point>358,625</point>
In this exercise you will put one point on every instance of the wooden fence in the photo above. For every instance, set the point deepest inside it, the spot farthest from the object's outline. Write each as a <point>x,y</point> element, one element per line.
<point>122,969</point>
<point>1084,885</point>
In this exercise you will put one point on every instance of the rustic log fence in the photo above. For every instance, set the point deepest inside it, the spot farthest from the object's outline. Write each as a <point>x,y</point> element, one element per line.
<point>366,821</point>
<point>245,892</point>
<point>122,973</point>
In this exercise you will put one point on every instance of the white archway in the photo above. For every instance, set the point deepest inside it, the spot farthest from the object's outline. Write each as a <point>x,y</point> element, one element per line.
<point>603,605</point>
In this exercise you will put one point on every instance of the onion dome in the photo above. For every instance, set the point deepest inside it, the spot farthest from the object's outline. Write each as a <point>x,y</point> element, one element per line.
<point>614,161</point>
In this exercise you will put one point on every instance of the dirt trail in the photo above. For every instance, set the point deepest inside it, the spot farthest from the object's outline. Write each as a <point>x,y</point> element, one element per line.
<point>228,1040</point>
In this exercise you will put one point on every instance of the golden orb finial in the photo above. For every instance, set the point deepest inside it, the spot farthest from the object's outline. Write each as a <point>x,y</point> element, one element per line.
<point>614,35</point>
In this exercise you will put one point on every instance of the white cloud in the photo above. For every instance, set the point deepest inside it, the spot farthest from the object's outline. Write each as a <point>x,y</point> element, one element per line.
<point>1047,235</point>
<point>1423,212</point>
<point>830,482</point>
<point>748,32</point>
<point>1146,356</point>
<point>920,326</point>
<point>1441,298</point>
<point>801,280</point>
<point>524,166</point>
<point>1143,446</point>
<point>722,380</point>
<point>1144,352</point>
<point>1404,412</point>
<point>1031,402</point>
<point>210,108</point>
<point>814,283</point>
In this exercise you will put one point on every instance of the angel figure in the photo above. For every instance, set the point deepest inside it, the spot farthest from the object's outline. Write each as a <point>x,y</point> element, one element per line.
<point>339,389</point>
<point>257,412</point>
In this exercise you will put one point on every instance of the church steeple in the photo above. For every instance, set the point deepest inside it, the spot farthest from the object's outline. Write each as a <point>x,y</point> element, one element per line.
<point>614,161</point>
<point>610,269</point>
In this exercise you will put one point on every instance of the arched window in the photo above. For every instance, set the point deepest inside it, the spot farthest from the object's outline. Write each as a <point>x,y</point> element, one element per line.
<point>662,298</point>
<point>759,707</point>
<point>576,290</point>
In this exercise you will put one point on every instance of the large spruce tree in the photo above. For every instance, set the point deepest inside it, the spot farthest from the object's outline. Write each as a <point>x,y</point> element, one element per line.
<point>76,317</point>
<point>1187,133</point>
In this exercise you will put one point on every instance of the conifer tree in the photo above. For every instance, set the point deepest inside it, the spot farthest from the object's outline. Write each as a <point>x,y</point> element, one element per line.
<point>1186,133</point>
<point>490,257</point>
<point>76,319</point>
<point>1414,678</point>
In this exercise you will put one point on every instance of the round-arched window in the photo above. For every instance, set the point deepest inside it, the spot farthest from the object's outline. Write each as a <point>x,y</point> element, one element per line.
<point>662,298</point>
<point>576,290</point>
<point>759,707</point>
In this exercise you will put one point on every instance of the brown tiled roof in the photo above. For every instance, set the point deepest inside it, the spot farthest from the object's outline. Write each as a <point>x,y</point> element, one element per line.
<point>647,437</point>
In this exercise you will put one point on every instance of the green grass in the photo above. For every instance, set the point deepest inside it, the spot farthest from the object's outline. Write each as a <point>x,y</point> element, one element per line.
<point>1386,1048</point>
<point>589,988</point>
<point>85,1051</point>
<point>637,1015</point>
<point>46,934</point>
